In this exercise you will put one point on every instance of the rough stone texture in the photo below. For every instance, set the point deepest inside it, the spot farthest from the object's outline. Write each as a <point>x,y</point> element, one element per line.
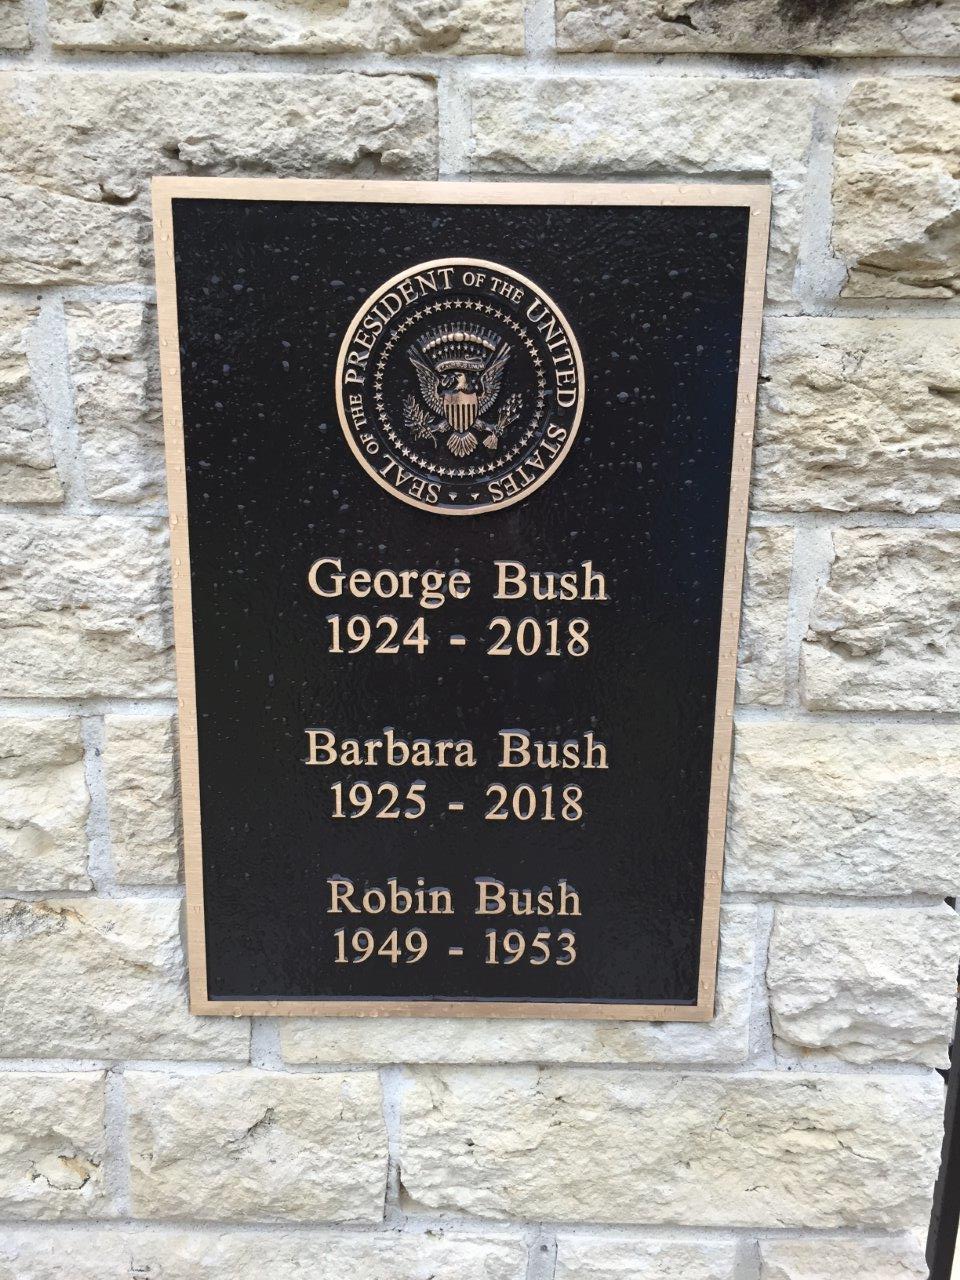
<point>760,1150</point>
<point>864,985</point>
<point>28,472</point>
<point>51,1144</point>
<point>761,666</point>
<point>897,1259</point>
<point>654,126</point>
<point>43,805</point>
<point>885,628</point>
<point>83,607</point>
<point>142,801</point>
<point>74,197</point>
<point>846,809</point>
<point>599,1258</point>
<point>328,1041</point>
<point>848,29</point>
<point>102,978</point>
<point>256,1145</point>
<point>14,32</point>
<point>896,189</point>
<point>859,415</point>
<point>116,384</point>
<point>29,1254</point>
<point>277,26</point>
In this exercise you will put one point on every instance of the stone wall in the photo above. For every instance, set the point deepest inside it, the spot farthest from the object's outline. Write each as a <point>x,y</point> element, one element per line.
<point>797,1136</point>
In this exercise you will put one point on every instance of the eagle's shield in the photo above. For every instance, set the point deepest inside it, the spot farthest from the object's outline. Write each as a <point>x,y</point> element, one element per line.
<point>460,409</point>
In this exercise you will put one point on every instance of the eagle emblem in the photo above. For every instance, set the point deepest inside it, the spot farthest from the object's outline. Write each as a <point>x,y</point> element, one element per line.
<point>459,369</point>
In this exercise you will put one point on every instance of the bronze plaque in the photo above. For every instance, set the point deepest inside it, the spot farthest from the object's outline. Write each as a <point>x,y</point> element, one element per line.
<point>458,485</point>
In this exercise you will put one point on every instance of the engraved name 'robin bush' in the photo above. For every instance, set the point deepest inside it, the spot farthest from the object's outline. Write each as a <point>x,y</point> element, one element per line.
<point>460,386</point>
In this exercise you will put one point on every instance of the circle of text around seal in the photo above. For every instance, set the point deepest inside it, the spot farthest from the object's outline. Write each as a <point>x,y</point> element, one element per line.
<point>459,386</point>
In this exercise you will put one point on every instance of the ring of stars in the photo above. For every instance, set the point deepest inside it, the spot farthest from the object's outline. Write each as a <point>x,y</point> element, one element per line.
<point>458,473</point>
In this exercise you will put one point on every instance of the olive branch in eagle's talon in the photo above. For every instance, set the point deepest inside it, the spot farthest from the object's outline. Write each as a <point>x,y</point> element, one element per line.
<point>417,421</point>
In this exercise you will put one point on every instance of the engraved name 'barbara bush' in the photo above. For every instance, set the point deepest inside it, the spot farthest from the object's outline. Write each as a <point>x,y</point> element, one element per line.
<point>460,386</point>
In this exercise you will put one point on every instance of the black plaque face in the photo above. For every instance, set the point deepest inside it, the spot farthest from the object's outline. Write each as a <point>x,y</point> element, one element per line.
<point>458,483</point>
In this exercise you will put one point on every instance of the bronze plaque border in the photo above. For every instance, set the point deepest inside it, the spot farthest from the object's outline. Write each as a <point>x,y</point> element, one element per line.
<point>756,197</point>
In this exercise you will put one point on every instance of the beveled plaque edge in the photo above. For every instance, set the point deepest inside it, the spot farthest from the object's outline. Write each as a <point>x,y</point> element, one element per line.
<point>754,196</point>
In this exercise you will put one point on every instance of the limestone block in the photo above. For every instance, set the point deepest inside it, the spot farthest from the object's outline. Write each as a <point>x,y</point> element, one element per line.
<point>81,147</point>
<point>864,985</point>
<point>896,188</point>
<point>50,236</point>
<point>29,1253</point>
<point>142,799</point>
<point>600,1258</point>
<point>28,472</point>
<point>662,127</point>
<point>251,1144</point>
<point>859,415</point>
<point>284,26</point>
<point>51,1144</point>
<point>893,1259</point>
<point>885,628</point>
<point>761,666</point>
<point>764,1150</point>
<point>102,978</point>
<point>83,607</point>
<point>388,1040</point>
<point>845,809</point>
<point>861,28</point>
<point>14,32</point>
<point>116,385</point>
<point>43,805</point>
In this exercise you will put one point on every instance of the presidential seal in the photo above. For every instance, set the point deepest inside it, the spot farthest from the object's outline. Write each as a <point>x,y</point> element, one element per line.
<point>459,386</point>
